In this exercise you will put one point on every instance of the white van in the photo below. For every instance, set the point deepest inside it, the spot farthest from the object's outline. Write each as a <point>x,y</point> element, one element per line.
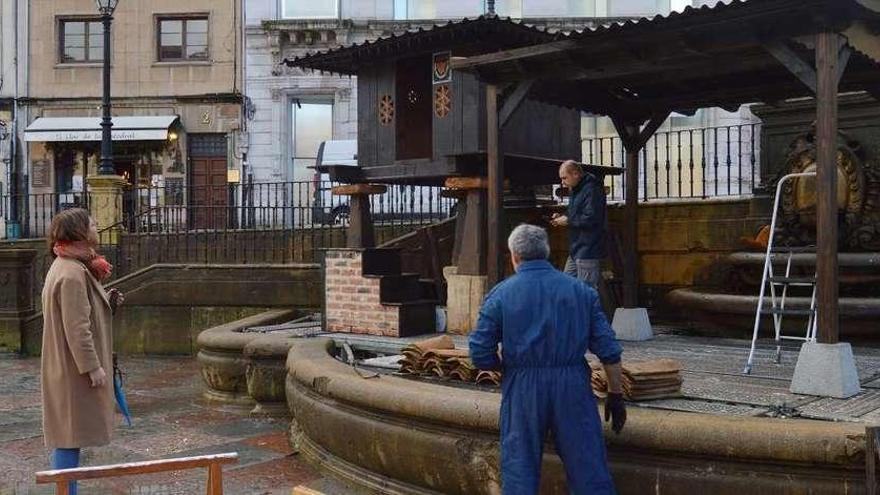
<point>401,202</point>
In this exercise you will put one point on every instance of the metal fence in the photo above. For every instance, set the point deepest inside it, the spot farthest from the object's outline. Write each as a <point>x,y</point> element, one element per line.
<point>225,207</point>
<point>692,163</point>
<point>279,222</point>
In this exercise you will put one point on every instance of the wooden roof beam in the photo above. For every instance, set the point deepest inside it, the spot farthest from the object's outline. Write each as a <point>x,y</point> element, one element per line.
<point>514,54</point>
<point>512,102</point>
<point>800,68</point>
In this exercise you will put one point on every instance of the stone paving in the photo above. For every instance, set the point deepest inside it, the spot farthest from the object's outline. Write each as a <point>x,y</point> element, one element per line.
<point>170,419</point>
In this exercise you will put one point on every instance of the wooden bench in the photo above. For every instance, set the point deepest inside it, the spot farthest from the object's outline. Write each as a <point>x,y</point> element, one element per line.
<point>214,463</point>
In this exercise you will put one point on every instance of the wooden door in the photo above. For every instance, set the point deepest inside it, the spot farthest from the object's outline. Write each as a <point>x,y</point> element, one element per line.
<point>414,112</point>
<point>209,192</point>
<point>209,195</point>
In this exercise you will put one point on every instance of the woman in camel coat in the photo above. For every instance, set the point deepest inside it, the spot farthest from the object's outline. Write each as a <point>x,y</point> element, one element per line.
<point>78,401</point>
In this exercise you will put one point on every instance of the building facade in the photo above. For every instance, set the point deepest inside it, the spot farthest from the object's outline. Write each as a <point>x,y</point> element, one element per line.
<point>176,94</point>
<point>290,111</point>
<point>8,82</point>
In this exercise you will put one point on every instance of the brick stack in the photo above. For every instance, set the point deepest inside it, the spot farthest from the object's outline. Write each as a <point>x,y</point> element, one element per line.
<point>367,294</point>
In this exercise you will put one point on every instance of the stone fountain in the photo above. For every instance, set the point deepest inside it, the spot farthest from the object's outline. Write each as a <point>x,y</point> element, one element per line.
<point>728,303</point>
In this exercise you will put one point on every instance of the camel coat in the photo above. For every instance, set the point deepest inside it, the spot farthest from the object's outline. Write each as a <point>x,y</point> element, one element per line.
<point>77,338</point>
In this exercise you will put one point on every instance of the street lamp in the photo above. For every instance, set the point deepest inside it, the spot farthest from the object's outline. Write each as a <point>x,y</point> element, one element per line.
<point>106,8</point>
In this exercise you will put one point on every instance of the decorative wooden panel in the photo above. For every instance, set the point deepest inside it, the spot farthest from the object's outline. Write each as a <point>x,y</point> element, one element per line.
<point>442,100</point>
<point>386,110</point>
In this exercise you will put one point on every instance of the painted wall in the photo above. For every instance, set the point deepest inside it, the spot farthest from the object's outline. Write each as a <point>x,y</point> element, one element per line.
<point>137,72</point>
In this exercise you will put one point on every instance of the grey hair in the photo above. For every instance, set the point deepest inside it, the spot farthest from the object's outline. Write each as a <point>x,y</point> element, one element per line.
<point>529,242</point>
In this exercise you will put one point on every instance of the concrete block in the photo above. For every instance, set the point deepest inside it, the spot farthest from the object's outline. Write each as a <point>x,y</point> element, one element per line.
<point>826,370</point>
<point>632,324</point>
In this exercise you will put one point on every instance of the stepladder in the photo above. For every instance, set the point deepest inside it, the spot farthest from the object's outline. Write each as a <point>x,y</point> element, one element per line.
<point>788,287</point>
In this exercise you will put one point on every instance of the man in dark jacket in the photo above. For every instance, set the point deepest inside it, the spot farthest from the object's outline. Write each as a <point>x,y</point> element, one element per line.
<point>586,222</point>
<point>545,322</point>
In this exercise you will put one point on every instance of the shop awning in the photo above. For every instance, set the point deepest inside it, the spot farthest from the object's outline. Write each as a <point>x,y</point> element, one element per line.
<point>143,128</point>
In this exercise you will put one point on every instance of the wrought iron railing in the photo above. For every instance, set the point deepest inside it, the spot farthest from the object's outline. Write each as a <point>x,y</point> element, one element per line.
<point>224,207</point>
<point>691,163</point>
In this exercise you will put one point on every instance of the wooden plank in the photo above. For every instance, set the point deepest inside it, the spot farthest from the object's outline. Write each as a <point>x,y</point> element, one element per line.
<point>472,257</point>
<point>514,101</point>
<point>473,115</point>
<point>304,490</point>
<point>354,189</point>
<point>368,119</point>
<point>432,251</point>
<point>467,183</point>
<point>631,229</point>
<point>843,60</point>
<point>872,435</point>
<point>826,187</point>
<point>460,228</point>
<point>385,134</point>
<point>495,217</point>
<point>131,468</point>
<point>513,54</point>
<point>793,62</point>
<point>215,480</point>
<point>460,112</point>
<point>443,128</point>
<point>360,226</point>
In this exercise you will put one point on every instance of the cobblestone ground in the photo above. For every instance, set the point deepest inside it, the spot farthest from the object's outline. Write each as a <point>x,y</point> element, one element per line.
<point>170,419</point>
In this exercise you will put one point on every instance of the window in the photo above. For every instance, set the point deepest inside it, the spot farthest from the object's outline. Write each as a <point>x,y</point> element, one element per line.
<point>310,9</point>
<point>183,39</point>
<point>437,9</point>
<point>81,41</point>
<point>311,124</point>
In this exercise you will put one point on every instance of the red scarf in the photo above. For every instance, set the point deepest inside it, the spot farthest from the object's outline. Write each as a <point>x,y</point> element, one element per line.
<point>84,252</point>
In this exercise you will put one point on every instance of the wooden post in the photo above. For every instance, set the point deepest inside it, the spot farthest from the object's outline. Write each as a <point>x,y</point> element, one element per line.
<point>872,436</point>
<point>360,233</point>
<point>631,225</point>
<point>827,47</point>
<point>360,227</point>
<point>495,270</point>
<point>215,480</point>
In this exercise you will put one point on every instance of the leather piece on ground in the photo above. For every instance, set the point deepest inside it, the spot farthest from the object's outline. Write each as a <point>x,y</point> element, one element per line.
<point>652,367</point>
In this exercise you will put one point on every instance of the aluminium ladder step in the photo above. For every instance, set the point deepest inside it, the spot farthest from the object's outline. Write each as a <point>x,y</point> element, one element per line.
<point>787,312</point>
<point>799,281</point>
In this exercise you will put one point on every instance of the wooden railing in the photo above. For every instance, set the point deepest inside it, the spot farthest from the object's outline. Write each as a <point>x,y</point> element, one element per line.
<point>426,251</point>
<point>214,463</point>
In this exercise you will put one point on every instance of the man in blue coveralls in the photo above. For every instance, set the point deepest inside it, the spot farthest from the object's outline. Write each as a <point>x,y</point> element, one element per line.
<point>546,322</point>
<point>586,223</point>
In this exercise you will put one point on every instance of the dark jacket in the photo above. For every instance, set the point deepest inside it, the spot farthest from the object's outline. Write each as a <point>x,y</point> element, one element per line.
<point>587,219</point>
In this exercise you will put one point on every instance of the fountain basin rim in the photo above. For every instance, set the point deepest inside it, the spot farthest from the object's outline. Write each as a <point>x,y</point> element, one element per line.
<point>749,439</point>
<point>858,307</point>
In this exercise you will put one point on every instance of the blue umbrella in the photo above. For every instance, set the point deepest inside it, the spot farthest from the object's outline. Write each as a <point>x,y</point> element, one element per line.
<point>119,393</point>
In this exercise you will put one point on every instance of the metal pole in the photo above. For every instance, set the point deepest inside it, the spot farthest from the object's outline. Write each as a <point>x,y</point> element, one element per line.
<point>106,166</point>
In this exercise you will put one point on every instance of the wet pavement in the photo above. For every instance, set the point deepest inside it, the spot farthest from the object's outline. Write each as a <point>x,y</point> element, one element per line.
<point>170,419</point>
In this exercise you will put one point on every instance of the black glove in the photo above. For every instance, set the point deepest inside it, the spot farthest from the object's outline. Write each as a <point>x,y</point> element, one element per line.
<point>615,410</point>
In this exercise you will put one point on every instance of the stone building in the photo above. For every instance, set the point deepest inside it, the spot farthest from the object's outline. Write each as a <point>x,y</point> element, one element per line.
<point>9,33</point>
<point>176,79</point>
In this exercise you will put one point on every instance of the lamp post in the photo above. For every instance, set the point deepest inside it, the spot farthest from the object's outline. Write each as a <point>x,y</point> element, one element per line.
<point>106,8</point>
